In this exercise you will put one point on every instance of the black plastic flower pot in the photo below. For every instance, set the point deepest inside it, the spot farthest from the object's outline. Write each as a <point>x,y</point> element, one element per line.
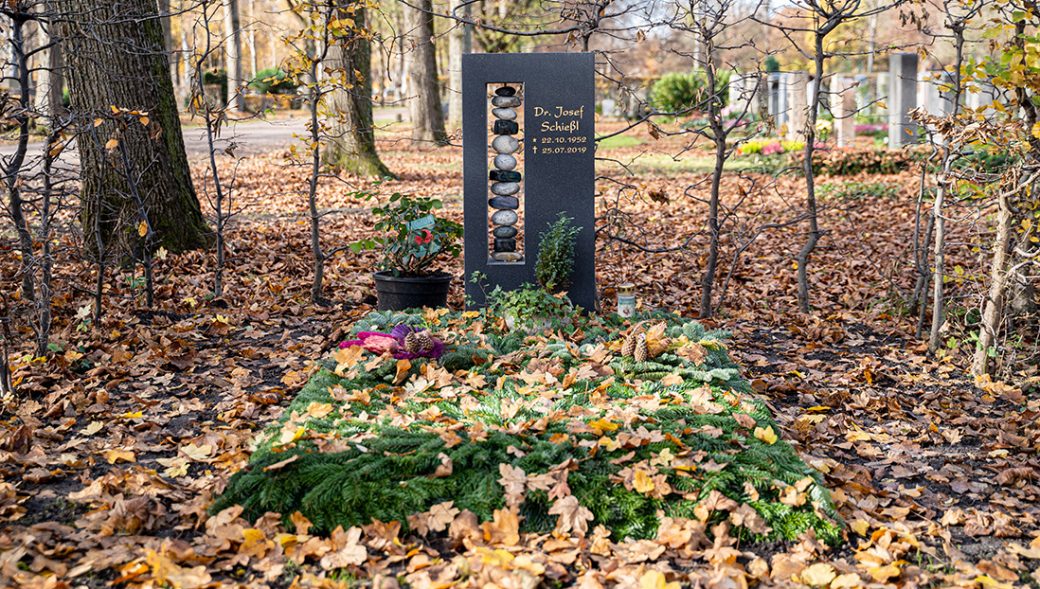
<point>396,293</point>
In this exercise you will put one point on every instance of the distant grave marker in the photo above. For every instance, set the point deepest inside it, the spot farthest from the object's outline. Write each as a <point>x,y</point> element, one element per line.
<point>528,155</point>
<point>902,98</point>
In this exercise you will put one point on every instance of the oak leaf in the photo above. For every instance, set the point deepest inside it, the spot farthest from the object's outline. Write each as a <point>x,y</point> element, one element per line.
<point>513,481</point>
<point>715,501</point>
<point>118,455</point>
<point>642,481</point>
<point>504,529</point>
<point>573,516</point>
<point>347,549</point>
<point>818,575</point>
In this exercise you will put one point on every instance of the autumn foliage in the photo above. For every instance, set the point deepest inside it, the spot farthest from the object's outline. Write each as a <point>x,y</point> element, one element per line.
<point>554,424</point>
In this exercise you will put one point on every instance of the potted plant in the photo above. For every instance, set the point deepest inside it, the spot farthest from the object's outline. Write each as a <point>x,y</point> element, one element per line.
<point>412,237</point>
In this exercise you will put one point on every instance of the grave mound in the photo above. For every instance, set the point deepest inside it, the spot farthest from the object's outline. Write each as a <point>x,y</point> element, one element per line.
<point>559,428</point>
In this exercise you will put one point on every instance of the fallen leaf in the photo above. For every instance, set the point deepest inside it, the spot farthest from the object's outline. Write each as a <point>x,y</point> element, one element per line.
<point>572,516</point>
<point>766,434</point>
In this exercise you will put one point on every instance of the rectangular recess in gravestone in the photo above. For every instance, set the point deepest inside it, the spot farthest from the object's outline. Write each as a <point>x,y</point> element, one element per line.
<point>556,160</point>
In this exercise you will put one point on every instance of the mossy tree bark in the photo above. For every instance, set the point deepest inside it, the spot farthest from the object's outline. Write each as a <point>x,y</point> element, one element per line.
<point>352,143</point>
<point>424,102</point>
<point>116,58</point>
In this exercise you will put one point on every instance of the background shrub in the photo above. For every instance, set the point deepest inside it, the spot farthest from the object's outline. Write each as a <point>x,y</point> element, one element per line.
<point>858,190</point>
<point>273,80</point>
<point>216,78</point>
<point>678,91</point>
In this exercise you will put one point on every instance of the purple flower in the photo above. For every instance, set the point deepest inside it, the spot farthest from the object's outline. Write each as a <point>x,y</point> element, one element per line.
<point>402,331</point>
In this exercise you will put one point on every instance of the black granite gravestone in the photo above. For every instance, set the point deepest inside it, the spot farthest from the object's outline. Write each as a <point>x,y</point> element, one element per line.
<point>528,155</point>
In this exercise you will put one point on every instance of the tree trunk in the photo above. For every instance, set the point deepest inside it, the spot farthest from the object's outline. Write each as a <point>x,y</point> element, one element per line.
<point>233,56</point>
<point>992,310</point>
<point>938,298</point>
<point>12,165</point>
<point>424,97</point>
<point>56,80</point>
<point>116,58</point>
<point>272,49</point>
<point>812,218</point>
<point>251,39</point>
<point>460,42</point>
<point>50,81</point>
<point>718,135</point>
<point>174,56</point>
<point>352,143</point>
<point>943,186</point>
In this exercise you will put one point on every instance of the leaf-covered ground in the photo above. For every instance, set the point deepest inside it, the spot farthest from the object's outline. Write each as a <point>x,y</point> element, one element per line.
<point>554,431</point>
<point>123,438</point>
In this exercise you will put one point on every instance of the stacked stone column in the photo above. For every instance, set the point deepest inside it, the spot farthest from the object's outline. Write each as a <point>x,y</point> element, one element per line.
<point>505,179</point>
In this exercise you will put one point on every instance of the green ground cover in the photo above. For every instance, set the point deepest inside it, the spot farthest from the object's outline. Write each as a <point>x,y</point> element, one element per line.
<point>511,420</point>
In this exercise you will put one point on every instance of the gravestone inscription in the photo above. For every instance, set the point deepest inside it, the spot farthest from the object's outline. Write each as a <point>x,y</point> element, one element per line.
<point>528,156</point>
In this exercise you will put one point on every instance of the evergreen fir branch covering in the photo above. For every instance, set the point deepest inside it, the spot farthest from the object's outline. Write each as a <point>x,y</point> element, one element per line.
<point>378,439</point>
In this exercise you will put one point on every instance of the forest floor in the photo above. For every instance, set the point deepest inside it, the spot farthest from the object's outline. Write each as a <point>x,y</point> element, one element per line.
<point>120,440</point>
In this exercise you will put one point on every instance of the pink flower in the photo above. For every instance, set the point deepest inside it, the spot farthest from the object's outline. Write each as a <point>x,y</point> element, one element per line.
<point>772,148</point>
<point>379,344</point>
<point>424,238</point>
<point>393,342</point>
<point>373,341</point>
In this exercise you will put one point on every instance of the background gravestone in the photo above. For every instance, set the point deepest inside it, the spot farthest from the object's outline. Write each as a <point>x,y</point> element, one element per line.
<point>555,106</point>
<point>902,98</point>
<point>843,107</point>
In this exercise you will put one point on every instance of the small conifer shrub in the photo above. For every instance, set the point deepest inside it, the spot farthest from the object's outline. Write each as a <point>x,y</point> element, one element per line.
<point>555,263</point>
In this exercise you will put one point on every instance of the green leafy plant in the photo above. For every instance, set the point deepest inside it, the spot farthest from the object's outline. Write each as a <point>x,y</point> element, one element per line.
<point>677,91</point>
<point>273,80</point>
<point>530,307</point>
<point>555,263</point>
<point>413,236</point>
<point>216,77</point>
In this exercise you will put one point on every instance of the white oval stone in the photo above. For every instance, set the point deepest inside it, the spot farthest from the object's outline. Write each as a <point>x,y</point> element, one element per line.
<point>505,162</point>
<point>506,114</point>
<point>506,256</point>
<point>505,101</point>
<point>505,188</point>
<point>505,217</point>
<point>505,144</point>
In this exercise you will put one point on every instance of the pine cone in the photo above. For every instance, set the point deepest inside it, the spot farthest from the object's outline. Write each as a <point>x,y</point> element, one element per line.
<point>418,342</point>
<point>629,347</point>
<point>641,353</point>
